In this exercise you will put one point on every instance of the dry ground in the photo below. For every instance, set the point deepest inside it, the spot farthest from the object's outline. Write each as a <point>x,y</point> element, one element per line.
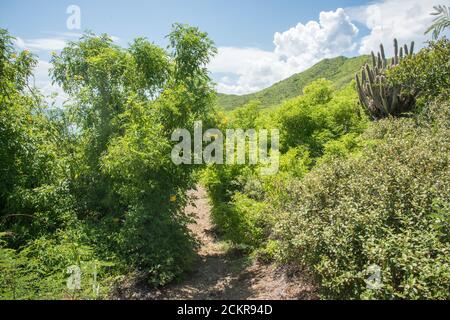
<point>223,274</point>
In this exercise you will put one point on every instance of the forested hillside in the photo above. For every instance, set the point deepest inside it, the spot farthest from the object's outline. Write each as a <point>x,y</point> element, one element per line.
<point>340,71</point>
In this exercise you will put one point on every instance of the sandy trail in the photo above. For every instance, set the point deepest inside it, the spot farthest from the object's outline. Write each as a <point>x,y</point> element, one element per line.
<point>224,275</point>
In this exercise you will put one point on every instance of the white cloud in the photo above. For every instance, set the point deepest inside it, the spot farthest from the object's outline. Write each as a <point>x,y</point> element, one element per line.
<point>406,20</point>
<point>42,82</point>
<point>295,50</point>
<point>41,44</point>
<point>332,35</point>
<point>254,69</point>
<point>55,43</point>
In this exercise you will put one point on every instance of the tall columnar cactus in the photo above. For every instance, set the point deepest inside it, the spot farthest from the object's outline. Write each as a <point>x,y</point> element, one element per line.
<point>380,98</point>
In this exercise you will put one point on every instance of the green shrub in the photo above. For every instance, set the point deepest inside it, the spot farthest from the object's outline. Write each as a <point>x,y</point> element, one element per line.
<point>319,116</point>
<point>40,270</point>
<point>242,221</point>
<point>296,162</point>
<point>387,207</point>
<point>322,120</point>
<point>127,103</point>
<point>347,145</point>
<point>426,74</point>
<point>102,163</point>
<point>35,198</point>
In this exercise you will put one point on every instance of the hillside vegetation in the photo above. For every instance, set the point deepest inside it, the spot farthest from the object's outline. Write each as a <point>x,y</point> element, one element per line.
<point>91,186</point>
<point>340,71</point>
<point>361,200</point>
<point>363,181</point>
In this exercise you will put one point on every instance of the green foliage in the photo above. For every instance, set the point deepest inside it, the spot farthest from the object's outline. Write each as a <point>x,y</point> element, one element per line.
<point>388,207</point>
<point>246,116</point>
<point>92,185</point>
<point>344,199</point>
<point>296,162</point>
<point>317,117</point>
<point>426,74</point>
<point>192,51</point>
<point>40,269</point>
<point>242,221</point>
<point>34,197</point>
<point>440,22</point>
<point>380,97</point>
<point>308,125</point>
<point>347,145</point>
<point>100,168</point>
<point>126,171</point>
<point>340,71</point>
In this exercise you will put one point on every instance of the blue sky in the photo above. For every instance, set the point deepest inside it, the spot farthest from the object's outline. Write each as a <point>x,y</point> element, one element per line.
<point>260,42</point>
<point>228,22</point>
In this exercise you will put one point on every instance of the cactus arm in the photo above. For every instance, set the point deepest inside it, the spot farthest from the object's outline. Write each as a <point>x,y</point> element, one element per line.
<point>395,93</point>
<point>378,97</point>
<point>362,97</point>
<point>395,51</point>
<point>383,56</point>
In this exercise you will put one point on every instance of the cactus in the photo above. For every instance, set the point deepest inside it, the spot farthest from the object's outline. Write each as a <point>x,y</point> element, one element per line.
<point>380,98</point>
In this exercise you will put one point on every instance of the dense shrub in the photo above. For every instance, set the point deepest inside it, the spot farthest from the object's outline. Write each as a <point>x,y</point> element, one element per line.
<point>127,103</point>
<point>389,207</point>
<point>42,268</point>
<point>319,116</point>
<point>100,167</point>
<point>426,74</point>
<point>321,121</point>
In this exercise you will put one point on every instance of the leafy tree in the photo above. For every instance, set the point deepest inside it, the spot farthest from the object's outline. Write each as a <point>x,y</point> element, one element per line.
<point>127,104</point>
<point>33,192</point>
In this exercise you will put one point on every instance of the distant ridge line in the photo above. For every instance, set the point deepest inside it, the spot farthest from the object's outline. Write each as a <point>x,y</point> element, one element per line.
<point>340,70</point>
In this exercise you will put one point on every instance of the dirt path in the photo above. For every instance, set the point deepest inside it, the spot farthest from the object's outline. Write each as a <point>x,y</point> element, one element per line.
<point>224,275</point>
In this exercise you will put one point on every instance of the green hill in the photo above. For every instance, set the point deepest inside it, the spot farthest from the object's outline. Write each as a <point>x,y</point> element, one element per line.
<point>340,70</point>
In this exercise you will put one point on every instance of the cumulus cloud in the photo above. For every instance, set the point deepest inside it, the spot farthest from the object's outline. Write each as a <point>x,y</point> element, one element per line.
<point>406,20</point>
<point>254,69</point>
<point>332,35</point>
<point>295,50</point>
